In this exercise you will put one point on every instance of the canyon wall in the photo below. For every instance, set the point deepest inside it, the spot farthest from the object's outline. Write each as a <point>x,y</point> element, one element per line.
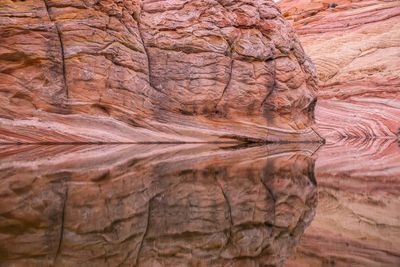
<point>145,71</point>
<point>355,46</point>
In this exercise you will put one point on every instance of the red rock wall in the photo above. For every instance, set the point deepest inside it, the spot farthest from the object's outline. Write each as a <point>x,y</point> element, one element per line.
<point>355,47</point>
<point>145,71</point>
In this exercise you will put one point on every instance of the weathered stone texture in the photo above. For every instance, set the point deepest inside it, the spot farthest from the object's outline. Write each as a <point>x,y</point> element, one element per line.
<point>355,46</point>
<point>152,71</point>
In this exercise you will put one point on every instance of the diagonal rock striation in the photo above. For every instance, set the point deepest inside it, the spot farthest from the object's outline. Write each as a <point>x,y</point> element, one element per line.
<point>145,71</point>
<point>355,47</point>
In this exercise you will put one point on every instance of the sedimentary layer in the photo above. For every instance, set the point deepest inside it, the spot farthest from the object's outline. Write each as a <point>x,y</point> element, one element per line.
<point>355,46</point>
<point>154,205</point>
<point>145,71</point>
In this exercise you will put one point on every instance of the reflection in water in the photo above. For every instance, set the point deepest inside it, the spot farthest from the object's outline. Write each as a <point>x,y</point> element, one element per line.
<point>154,205</point>
<point>357,222</point>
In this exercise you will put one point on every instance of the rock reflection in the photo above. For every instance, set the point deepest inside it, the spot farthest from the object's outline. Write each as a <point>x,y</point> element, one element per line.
<point>154,205</point>
<point>358,215</point>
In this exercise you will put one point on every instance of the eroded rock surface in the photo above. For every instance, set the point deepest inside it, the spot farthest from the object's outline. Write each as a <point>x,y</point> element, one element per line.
<point>355,46</point>
<point>151,71</point>
<point>148,205</point>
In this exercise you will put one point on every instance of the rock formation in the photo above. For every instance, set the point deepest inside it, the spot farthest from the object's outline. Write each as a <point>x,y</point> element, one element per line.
<point>355,46</point>
<point>154,205</point>
<point>152,71</point>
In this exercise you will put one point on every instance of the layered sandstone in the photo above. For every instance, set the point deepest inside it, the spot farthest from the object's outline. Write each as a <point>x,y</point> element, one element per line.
<point>355,46</point>
<point>154,205</point>
<point>152,71</point>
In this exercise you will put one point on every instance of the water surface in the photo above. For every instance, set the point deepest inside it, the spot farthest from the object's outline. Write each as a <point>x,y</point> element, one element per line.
<point>200,205</point>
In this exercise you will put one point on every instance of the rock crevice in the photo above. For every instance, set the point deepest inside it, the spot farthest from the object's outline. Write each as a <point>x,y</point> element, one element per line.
<point>59,34</point>
<point>146,71</point>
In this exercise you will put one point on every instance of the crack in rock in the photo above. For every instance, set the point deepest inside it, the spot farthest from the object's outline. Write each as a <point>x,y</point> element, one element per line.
<point>59,34</point>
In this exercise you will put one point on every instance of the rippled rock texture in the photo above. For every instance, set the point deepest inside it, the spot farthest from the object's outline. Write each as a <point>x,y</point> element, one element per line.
<point>152,71</point>
<point>154,205</point>
<point>358,216</point>
<point>355,46</point>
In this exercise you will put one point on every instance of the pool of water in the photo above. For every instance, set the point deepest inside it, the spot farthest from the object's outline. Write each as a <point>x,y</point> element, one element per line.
<point>200,205</point>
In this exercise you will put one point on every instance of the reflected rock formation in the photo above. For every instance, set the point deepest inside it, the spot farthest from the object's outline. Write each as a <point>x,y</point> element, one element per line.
<point>358,217</point>
<point>154,205</point>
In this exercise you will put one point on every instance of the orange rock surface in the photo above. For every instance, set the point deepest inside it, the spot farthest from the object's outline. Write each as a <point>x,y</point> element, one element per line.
<point>152,71</point>
<point>355,46</point>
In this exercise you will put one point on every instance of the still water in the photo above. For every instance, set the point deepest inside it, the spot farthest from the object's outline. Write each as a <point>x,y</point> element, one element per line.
<point>200,205</point>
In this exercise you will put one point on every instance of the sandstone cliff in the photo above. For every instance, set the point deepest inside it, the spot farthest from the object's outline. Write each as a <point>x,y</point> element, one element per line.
<point>151,71</point>
<point>355,46</point>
